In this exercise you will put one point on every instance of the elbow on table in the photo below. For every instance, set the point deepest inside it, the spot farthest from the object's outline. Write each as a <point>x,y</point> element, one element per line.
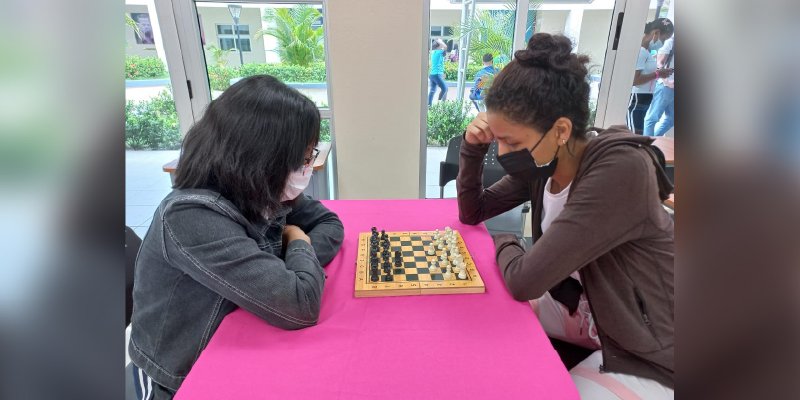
<point>518,293</point>
<point>469,219</point>
<point>305,320</point>
<point>519,290</point>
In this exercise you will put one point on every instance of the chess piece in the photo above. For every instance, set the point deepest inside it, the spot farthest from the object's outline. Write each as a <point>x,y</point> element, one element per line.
<point>374,277</point>
<point>431,250</point>
<point>388,277</point>
<point>448,275</point>
<point>462,274</point>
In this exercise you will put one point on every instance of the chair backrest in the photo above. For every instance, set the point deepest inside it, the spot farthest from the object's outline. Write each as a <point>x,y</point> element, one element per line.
<point>132,245</point>
<point>453,150</point>
<point>492,170</point>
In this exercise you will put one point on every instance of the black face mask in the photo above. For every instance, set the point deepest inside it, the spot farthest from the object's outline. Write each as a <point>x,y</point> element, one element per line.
<point>520,164</point>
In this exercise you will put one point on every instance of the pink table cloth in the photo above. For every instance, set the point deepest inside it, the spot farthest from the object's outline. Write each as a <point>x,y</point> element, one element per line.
<point>465,346</point>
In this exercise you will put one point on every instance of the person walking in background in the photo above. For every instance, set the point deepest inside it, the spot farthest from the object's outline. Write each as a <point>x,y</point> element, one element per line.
<point>655,33</point>
<point>437,71</point>
<point>660,116</point>
<point>482,79</point>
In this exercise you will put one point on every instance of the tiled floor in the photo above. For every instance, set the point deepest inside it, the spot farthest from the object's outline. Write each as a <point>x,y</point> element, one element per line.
<point>146,184</point>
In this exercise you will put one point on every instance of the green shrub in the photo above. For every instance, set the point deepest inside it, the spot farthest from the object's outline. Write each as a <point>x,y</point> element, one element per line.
<point>446,120</point>
<point>137,67</point>
<point>451,71</point>
<point>152,124</point>
<point>325,130</point>
<point>314,72</point>
<point>220,77</point>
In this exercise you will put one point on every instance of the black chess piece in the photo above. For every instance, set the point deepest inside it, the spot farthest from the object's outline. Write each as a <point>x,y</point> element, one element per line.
<point>398,255</point>
<point>398,263</point>
<point>389,277</point>
<point>374,277</point>
<point>387,267</point>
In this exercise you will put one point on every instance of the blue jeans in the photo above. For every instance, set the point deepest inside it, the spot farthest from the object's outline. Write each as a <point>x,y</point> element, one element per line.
<point>663,103</point>
<point>437,80</point>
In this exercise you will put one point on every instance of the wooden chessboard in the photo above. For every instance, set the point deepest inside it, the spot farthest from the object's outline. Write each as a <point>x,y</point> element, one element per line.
<point>413,277</point>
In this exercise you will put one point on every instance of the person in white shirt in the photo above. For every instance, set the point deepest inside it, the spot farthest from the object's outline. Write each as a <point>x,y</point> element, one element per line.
<point>660,116</point>
<point>644,80</point>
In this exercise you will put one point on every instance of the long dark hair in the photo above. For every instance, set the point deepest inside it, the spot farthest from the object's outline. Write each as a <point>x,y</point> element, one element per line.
<point>247,142</point>
<point>544,82</point>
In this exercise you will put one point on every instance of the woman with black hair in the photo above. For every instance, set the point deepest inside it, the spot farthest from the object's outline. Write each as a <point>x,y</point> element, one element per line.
<point>600,271</point>
<point>236,231</point>
<point>644,80</point>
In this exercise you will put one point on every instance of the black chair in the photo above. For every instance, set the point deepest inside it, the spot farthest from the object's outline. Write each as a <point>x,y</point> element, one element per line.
<point>448,169</point>
<point>132,244</point>
<point>508,222</point>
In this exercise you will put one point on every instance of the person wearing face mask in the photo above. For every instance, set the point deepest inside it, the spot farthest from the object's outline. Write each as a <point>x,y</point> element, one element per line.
<point>644,79</point>
<point>600,271</point>
<point>236,231</point>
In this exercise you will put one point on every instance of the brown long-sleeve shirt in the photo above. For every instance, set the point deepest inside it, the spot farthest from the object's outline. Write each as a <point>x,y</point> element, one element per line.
<point>612,230</point>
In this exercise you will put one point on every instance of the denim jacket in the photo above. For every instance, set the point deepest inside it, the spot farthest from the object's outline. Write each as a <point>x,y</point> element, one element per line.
<point>201,259</point>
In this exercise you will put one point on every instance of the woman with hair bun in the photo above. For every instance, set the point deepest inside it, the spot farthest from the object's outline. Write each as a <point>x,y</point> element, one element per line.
<point>600,271</point>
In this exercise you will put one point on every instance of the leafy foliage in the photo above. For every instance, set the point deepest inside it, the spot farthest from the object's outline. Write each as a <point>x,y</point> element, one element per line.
<point>220,56</point>
<point>220,77</point>
<point>446,120</point>
<point>299,43</point>
<point>152,124</point>
<point>492,31</point>
<point>137,67</point>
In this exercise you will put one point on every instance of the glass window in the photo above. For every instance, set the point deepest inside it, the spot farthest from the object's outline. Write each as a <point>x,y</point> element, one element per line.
<point>152,131</point>
<point>283,40</point>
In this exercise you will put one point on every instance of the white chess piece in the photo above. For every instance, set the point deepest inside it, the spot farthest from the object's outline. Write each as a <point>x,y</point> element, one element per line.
<point>462,274</point>
<point>448,274</point>
<point>433,267</point>
<point>431,250</point>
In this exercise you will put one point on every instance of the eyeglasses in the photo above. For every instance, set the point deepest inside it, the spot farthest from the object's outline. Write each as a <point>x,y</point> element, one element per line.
<point>310,160</point>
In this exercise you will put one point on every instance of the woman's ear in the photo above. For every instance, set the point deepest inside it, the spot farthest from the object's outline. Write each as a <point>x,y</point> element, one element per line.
<point>563,128</point>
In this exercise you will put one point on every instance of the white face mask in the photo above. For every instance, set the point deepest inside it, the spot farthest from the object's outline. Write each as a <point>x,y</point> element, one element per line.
<point>297,182</point>
<point>655,45</point>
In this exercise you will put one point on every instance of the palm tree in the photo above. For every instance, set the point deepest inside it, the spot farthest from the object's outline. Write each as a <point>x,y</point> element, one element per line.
<point>219,55</point>
<point>492,32</point>
<point>132,24</point>
<point>299,43</point>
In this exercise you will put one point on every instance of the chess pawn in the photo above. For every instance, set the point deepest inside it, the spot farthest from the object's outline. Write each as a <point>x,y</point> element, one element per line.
<point>449,273</point>
<point>433,266</point>
<point>443,258</point>
<point>431,250</point>
<point>440,246</point>
<point>462,274</point>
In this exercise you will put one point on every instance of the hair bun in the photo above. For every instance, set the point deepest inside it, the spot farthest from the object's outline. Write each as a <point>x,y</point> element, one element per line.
<point>550,51</point>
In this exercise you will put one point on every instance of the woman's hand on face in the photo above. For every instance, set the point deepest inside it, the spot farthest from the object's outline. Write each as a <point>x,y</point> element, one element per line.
<point>293,232</point>
<point>478,131</point>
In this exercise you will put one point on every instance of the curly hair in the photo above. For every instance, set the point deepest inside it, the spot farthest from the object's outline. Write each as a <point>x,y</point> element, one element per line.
<point>544,82</point>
